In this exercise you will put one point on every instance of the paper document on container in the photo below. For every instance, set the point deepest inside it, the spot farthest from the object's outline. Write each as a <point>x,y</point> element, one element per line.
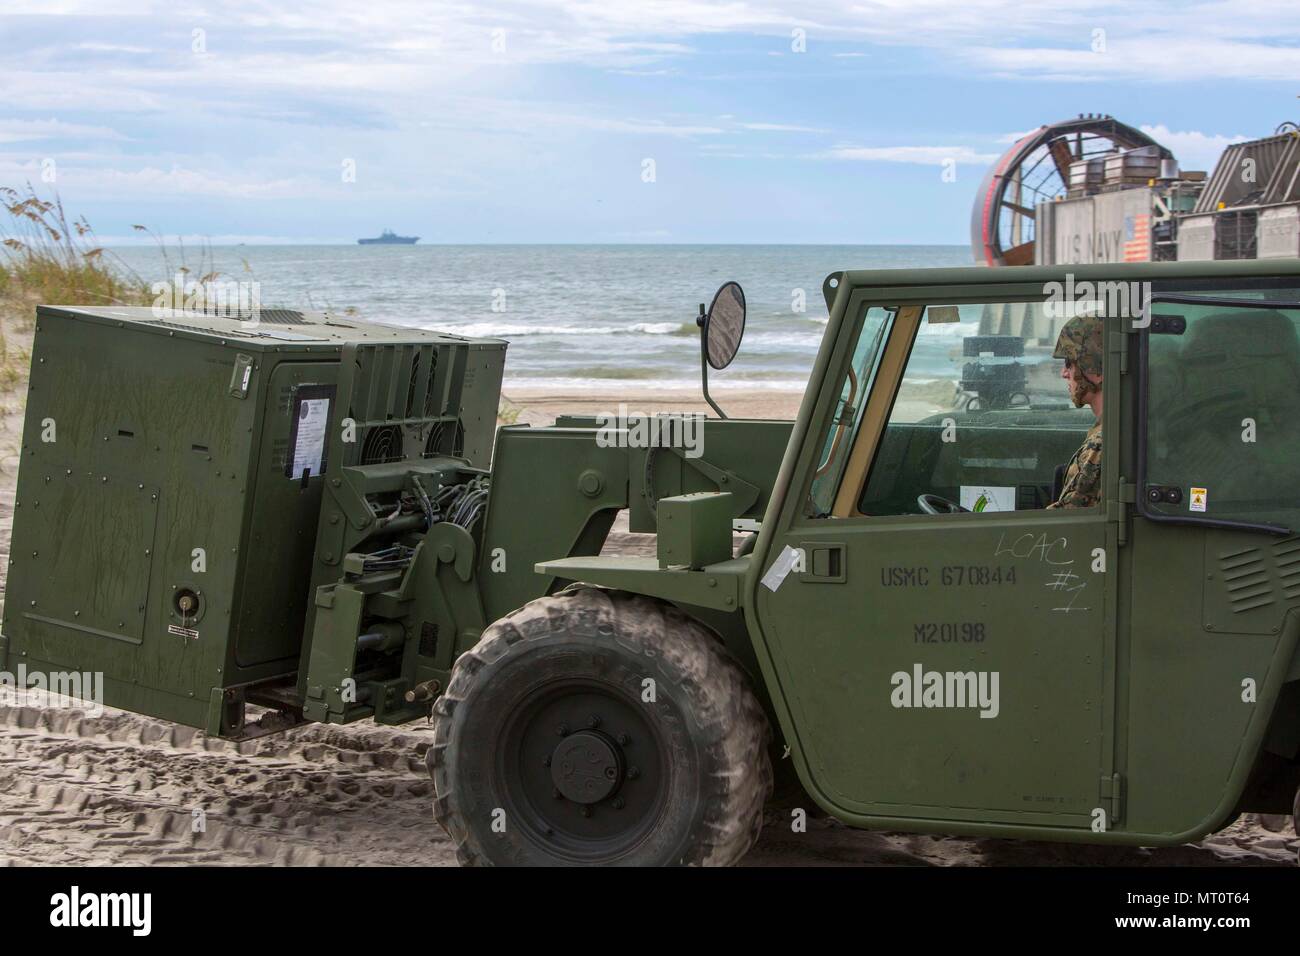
<point>309,448</point>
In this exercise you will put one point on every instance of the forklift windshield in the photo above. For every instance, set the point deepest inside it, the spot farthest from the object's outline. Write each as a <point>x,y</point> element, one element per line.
<point>957,403</point>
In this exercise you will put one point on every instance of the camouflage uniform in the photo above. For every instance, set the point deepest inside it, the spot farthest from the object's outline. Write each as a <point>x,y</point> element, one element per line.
<point>1082,487</point>
<point>1081,341</point>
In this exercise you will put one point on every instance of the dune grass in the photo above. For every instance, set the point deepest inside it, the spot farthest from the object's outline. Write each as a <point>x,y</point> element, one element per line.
<point>48,258</point>
<point>45,257</point>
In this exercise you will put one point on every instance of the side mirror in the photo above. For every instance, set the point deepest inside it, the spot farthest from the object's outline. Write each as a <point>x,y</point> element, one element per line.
<point>724,325</point>
<point>721,329</point>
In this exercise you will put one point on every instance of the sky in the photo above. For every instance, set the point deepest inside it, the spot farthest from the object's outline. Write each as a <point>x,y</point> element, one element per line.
<point>599,121</point>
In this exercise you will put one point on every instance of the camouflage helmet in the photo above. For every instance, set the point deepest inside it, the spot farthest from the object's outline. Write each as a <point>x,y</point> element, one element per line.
<point>1081,342</point>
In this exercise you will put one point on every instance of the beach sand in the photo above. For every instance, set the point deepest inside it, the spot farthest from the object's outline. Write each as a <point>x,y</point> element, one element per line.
<point>121,789</point>
<point>538,407</point>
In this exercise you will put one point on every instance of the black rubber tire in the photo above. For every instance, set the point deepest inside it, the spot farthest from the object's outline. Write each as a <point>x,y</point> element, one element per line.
<point>707,730</point>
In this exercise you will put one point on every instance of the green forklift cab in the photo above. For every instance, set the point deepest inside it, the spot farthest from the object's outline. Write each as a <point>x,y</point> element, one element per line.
<point>943,653</point>
<point>1103,673</point>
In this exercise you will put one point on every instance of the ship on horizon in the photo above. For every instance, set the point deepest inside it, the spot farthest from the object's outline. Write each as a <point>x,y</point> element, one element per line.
<point>389,238</point>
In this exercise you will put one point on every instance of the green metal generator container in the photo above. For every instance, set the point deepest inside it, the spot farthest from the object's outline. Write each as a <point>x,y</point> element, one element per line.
<point>173,468</point>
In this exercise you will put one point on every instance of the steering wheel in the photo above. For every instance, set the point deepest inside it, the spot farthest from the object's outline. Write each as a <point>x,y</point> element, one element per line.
<point>938,505</point>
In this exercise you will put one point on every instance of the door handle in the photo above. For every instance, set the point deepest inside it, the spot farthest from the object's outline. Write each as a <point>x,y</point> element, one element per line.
<point>826,562</point>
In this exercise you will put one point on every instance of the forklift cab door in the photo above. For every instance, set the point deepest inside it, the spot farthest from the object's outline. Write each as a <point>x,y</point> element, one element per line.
<point>943,666</point>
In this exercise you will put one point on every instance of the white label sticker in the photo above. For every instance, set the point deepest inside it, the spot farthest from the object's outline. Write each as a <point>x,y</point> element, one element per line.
<point>182,631</point>
<point>776,574</point>
<point>248,373</point>
<point>987,498</point>
<point>309,448</point>
<point>1198,499</point>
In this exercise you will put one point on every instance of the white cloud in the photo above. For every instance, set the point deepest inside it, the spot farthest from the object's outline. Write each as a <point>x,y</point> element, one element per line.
<point>20,131</point>
<point>1153,39</point>
<point>925,155</point>
<point>112,48</point>
<point>1193,149</point>
<point>417,87</point>
<point>637,127</point>
<point>1166,56</point>
<point>393,54</point>
<point>150,181</point>
<point>779,128</point>
<point>198,240</point>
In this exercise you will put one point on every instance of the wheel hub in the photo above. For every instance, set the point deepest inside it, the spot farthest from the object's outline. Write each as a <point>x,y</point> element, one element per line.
<point>583,769</point>
<point>586,767</point>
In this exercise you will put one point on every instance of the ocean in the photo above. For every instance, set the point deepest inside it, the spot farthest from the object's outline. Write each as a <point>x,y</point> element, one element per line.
<point>576,317</point>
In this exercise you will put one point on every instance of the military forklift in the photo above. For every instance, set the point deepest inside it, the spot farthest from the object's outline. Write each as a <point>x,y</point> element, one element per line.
<point>247,523</point>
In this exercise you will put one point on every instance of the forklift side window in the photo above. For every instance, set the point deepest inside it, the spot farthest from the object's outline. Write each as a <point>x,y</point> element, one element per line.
<point>1223,412</point>
<point>981,416</point>
<point>852,401</point>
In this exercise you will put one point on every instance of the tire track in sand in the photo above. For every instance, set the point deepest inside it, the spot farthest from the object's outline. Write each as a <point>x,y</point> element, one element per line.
<point>119,788</point>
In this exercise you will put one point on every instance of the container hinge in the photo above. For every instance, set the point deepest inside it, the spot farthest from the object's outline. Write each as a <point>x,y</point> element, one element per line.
<point>1112,798</point>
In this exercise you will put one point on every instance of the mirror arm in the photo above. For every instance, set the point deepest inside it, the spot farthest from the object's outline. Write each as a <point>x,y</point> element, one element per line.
<point>702,320</point>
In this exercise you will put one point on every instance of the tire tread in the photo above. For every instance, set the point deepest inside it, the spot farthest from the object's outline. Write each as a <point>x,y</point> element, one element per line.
<point>732,726</point>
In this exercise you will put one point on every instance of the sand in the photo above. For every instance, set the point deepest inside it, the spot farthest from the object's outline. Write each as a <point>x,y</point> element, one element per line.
<point>538,407</point>
<point>121,789</point>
